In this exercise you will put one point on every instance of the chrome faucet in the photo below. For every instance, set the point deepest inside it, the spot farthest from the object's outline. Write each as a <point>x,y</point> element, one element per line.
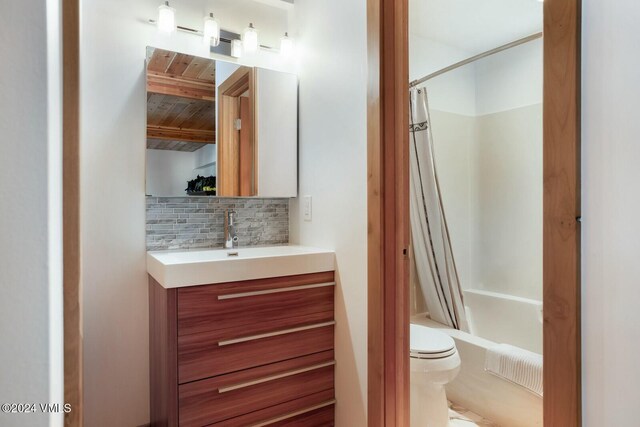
<point>230,236</point>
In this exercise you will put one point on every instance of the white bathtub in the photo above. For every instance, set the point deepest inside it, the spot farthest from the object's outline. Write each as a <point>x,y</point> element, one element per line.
<point>499,400</point>
<point>504,318</point>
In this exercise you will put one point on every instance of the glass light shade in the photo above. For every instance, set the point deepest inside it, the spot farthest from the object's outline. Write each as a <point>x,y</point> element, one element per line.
<point>286,46</point>
<point>236,48</point>
<point>166,18</point>
<point>211,31</point>
<point>250,39</point>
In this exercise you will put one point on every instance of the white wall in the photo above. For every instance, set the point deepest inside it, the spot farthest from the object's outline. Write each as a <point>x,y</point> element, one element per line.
<point>332,161</point>
<point>453,92</point>
<point>168,172</point>
<point>30,210</point>
<point>507,181</point>
<point>506,205</point>
<point>490,173</point>
<point>205,156</point>
<point>510,79</point>
<point>610,203</point>
<point>114,40</point>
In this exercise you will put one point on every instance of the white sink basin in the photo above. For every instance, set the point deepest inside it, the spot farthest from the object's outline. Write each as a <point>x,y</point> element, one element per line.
<point>179,268</point>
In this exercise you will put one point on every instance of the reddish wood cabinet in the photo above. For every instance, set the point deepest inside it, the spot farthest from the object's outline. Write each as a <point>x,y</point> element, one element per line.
<point>252,353</point>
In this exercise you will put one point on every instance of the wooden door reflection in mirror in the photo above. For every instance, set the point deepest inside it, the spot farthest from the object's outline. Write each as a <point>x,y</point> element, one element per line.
<point>236,145</point>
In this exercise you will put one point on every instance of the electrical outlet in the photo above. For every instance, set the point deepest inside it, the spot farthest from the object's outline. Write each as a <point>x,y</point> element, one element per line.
<point>306,208</point>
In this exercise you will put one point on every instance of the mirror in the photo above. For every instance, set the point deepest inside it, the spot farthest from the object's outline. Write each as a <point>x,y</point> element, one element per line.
<point>217,128</point>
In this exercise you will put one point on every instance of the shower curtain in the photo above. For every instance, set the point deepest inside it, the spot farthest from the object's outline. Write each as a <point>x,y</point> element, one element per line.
<point>431,243</point>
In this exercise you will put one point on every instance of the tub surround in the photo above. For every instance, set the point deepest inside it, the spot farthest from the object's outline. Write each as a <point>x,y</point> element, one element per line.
<point>198,222</point>
<point>487,312</point>
<point>172,269</point>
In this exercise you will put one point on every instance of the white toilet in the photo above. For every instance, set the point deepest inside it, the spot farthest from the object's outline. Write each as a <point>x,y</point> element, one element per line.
<point>434,363</point>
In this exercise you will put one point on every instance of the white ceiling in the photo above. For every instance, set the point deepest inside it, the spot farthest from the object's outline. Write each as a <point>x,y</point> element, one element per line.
<point>474,25</point>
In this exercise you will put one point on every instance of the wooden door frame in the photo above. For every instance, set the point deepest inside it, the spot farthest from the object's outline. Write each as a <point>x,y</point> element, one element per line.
<point>561,212</point>
<point>228,139</point>
<point>388,214</point>
<point>72,296</point>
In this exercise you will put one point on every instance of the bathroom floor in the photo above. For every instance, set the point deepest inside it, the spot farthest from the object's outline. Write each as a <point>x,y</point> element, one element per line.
<point>462,417</point>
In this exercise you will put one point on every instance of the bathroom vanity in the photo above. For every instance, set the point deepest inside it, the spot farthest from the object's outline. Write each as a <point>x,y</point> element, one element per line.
<point>242,337</point>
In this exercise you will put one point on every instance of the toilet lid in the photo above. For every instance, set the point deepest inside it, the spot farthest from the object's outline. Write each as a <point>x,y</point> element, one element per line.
<point>430,343</point>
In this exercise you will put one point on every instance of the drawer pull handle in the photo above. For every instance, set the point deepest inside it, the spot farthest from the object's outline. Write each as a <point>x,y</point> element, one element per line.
<point>294,414</point>
<point>275,377</point>
<point>275,291</point>
<point>275,334</point>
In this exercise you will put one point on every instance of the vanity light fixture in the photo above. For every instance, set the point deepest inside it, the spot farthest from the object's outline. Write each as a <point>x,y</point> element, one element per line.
<point>166,18</point>
<point>211,31</point>
<point>286,46</point>
<point>236,48</point>
<point>234,44</point>
<point>250,39</point>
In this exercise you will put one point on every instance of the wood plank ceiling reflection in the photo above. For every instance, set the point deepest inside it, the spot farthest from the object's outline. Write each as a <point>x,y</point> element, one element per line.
<point>180,101</point>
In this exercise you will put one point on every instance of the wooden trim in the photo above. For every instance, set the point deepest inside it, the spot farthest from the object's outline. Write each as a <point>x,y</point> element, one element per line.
<point>180,86</point>
<point>228,176</point>
<point>230,179</point>
<point>72,303</point>
<point>181,134</point>
<point>388,213</point>
<point>163,354</point>
<point>561,228</point>
<point>246,148</point>
<point>237,83</point>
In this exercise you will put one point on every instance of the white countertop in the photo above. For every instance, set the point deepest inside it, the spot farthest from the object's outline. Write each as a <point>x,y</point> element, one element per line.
<point>178,268</point>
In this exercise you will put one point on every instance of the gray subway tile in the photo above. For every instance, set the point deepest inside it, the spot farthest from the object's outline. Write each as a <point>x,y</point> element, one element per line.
<point>198,222</point>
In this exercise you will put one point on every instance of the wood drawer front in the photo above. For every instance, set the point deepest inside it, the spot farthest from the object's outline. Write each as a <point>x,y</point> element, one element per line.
<point>322,417</point>
<point>214,353</point>
<point>222,398</point>
<point>316,410</point>
<point>278,301</point>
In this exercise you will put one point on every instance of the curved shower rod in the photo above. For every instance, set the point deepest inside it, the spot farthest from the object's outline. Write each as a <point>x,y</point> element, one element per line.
<point>477,57</point>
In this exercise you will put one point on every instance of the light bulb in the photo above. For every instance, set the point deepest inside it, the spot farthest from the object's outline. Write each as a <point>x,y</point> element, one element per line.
<point>286,46</point>
<point>166,18</point>
<point>236,48</point>
<point>211,31</point>
<point>250,39</point>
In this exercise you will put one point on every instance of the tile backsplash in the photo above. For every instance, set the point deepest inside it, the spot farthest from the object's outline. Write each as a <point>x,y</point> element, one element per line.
<point>198,222</point>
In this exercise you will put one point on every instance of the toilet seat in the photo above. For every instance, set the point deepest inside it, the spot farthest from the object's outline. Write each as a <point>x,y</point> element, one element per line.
<point>429,343</point>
